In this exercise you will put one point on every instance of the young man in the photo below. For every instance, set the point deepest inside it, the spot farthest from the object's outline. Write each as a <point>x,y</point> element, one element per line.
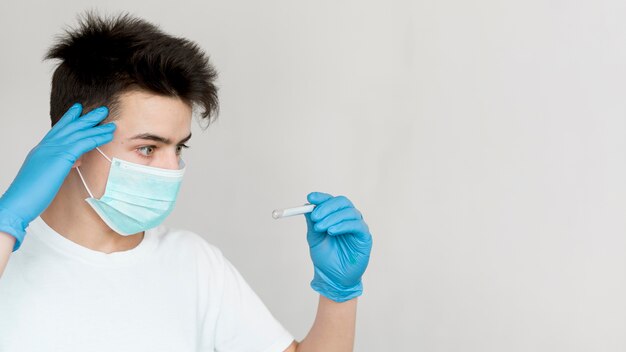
<point>91,266</point>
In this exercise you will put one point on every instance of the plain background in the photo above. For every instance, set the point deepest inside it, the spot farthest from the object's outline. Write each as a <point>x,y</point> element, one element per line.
<point>483,141</point>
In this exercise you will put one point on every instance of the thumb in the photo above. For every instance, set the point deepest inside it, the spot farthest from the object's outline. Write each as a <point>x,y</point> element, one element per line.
<point>318,197</point>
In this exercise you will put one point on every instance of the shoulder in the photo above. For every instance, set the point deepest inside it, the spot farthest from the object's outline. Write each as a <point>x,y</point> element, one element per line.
<point>188,245</point>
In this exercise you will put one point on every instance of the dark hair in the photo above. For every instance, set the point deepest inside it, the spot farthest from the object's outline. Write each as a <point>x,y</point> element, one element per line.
<point>106,57</point>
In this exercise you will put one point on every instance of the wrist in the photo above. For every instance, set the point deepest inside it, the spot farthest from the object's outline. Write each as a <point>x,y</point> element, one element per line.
<point>13,225</point>
<point>336,292</point>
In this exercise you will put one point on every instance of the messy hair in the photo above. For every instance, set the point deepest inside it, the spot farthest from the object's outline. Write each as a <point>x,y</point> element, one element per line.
<point>106,57</point>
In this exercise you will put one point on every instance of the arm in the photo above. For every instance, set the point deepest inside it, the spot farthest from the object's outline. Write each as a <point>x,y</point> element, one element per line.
<point>44,169</point>
<point>6,248</point>
<point>333,329</point>
<point>340,244</point>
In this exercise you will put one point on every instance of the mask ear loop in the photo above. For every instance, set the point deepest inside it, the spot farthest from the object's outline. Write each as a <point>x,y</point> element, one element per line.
<point>84,183</point>
<point>81,175</point>
<point>103,154</point>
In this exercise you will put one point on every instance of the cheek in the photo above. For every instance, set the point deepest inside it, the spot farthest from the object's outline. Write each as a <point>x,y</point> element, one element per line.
<point>96,174</point>
<point>125,151</point>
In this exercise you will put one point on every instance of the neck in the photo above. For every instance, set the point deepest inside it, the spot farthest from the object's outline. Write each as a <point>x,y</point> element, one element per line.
<point>74,219</point>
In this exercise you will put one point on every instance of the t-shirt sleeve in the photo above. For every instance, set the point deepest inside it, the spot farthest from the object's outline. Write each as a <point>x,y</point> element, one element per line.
<point>244,323</point>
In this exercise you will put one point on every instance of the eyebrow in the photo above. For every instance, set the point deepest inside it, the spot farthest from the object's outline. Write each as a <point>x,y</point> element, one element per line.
<point>154,137</point>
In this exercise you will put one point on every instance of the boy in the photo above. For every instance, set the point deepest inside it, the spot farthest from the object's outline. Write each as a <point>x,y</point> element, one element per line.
<point>92,267</point>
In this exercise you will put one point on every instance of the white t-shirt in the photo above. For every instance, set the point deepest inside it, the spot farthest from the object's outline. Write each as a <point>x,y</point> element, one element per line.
<point>172,292</point>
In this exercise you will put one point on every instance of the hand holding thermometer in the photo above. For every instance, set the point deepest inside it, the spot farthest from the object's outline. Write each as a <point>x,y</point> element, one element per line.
<point>281,213</point>
<point>339,242</point>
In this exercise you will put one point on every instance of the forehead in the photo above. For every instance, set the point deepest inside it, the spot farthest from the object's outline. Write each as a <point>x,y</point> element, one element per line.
<point>144,112</point>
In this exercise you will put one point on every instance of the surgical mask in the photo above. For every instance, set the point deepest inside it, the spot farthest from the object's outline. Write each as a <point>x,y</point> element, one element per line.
<point>136,197</point>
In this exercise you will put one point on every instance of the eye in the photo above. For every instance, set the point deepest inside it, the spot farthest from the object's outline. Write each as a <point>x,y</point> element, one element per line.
<point>180,147</point>
<point>151,147</point>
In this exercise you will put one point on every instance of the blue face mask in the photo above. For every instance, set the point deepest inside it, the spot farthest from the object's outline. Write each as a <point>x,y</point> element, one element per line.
<point>136,197</point>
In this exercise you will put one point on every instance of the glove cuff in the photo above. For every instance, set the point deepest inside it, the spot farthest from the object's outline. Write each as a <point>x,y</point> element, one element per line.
<point>327,288</point>
<point>13,225</point>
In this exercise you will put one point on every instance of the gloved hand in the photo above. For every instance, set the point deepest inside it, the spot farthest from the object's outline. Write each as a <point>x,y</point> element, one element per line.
<point>340,244</point>
<point>47,165</point>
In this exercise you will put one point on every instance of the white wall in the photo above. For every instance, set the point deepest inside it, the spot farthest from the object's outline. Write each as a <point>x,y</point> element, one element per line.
<point>482,140</point>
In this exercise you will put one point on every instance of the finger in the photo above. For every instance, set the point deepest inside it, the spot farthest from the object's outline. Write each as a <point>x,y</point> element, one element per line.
<point>89,143</point>
<point>318,197</point>
<point>344,214</point>
<point>94,131</point>
<point>90,119</point>
<point>70,115</point>
<point>313,238</point>
<point>358,228</point>
<point>330,206</point>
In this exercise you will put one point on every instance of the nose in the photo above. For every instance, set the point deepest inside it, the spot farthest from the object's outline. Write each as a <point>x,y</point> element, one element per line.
<point>173,162</point>
<point>169,161</point>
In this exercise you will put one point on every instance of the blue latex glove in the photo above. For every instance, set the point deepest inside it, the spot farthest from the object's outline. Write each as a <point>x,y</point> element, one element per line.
<point>47,165</point>
<point>340,244</point>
